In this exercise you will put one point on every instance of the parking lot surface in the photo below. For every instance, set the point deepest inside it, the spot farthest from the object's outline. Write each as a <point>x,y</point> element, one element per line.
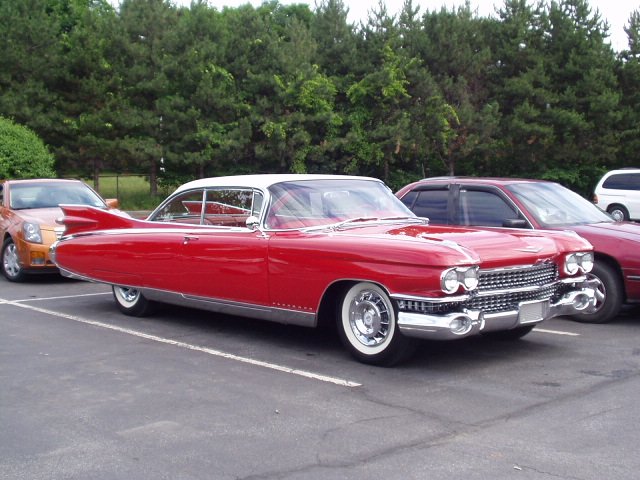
<point>88,393</point>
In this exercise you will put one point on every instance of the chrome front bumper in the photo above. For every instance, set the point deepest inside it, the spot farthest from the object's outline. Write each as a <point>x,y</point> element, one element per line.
<point>466,323</point>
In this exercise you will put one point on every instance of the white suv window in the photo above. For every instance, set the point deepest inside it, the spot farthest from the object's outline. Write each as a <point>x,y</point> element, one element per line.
<point>618,192</point>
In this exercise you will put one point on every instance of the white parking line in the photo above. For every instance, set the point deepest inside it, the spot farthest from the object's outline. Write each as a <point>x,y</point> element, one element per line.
<point>556,332</point>
<point>209,351</point>
<point>60,297</point>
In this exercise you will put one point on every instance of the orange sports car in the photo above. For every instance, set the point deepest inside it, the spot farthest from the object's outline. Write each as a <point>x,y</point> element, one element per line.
<point>28,213</point>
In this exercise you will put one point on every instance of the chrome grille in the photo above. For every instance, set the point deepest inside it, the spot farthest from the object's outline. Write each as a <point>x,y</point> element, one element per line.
<point>499,290</point>
<point>508,301</point>
<point>504,279</point>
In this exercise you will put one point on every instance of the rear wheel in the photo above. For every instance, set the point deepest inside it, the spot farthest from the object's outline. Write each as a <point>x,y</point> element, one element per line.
<point>368,327</point>
<point>131,301</point>
<point>619,213</point>
<point>609,295</point>
<point>11,267</point>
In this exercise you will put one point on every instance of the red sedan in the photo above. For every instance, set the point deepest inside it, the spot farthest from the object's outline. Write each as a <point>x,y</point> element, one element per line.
<point>537,204</point>
<point>303,249</point>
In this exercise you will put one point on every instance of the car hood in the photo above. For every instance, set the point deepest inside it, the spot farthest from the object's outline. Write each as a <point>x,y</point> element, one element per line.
<point>619,230</point>
<point>617,240</point>
<point>491,247</point>
<point>45,217</point>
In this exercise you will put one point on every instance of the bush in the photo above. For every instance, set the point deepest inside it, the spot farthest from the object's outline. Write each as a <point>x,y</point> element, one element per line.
<point>22,153</point>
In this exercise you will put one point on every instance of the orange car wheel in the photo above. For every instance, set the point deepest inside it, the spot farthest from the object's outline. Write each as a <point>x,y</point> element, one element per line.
<point>11,267</point>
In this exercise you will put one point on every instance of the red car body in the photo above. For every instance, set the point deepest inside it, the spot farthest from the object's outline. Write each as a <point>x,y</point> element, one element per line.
<point>350,252</point>
<point>538,204</point>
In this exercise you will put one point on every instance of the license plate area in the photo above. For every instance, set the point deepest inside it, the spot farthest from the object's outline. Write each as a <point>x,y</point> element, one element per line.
<point>533,312</point>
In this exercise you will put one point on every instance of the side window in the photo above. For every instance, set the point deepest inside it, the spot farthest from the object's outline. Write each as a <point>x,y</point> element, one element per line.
<point>482,208</point>
<point>622,181</point>
<point>432,204</point>
<point>183,208</point>
<point>231,207</point>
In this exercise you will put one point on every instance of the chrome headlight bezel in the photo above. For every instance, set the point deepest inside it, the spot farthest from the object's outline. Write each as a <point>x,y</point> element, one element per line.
<point>578,262</point>
<point>453,278</point>
<point>32,232</point>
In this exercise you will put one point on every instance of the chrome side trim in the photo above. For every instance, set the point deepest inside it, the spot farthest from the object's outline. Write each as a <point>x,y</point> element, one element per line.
<point>226,307</point>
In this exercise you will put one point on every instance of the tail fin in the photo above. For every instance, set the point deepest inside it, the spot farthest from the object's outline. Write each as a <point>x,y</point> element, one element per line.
<point>82,218</point>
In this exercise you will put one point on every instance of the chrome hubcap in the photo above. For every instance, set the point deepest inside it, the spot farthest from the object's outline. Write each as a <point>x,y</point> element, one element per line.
<point>369,318</point>
<point>129,295</point>
<point>600,292</point>
<point>617,215</point>
<point>11,263</point>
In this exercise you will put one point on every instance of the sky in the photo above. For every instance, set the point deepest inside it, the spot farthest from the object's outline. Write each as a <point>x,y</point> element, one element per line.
<point>615,12</point>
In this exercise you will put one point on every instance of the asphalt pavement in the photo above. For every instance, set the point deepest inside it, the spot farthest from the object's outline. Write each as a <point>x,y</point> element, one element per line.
<point>87,393</point>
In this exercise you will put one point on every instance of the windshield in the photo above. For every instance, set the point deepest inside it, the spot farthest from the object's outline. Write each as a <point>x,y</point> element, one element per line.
<point>50,195</point>
<point>553,205</point>
<point>310,203</point>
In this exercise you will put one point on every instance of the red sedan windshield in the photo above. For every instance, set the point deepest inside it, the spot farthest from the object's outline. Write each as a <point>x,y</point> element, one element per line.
<point>553,205</point>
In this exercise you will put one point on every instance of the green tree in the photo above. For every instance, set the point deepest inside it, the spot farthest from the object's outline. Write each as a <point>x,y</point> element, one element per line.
<point>585,111</point>
<point>30,34</point>
<point>22,153</point>
<point>201,131</point>
<point>454,48</point>
<point>89,93</point>
<point>140,67</point>
<point>628,71</point>
<point>521,87</point>
<point>379,122</point>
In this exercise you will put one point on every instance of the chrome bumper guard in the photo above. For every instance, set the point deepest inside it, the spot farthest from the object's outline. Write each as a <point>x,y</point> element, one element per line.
<point>466,323</point>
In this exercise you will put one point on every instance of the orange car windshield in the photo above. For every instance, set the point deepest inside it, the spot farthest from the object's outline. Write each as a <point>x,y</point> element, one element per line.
<point>51,195</point>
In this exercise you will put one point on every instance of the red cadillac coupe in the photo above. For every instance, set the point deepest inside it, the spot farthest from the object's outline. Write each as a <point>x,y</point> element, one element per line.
<point>304,249</point>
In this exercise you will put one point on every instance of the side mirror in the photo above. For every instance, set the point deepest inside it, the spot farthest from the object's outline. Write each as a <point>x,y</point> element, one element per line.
<point>252,222</point>
<point>514,223</point>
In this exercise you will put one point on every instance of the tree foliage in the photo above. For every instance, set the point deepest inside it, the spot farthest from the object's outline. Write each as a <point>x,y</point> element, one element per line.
<point>183,92</point>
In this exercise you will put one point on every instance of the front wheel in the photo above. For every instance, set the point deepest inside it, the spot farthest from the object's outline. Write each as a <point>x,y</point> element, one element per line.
<point>11,267</point>
<point>131,301</point>
<point>368,327</point>
<point>609,295</point>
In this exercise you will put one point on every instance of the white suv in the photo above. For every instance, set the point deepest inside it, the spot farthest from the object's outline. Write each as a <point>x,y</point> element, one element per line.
<point>618,192</point>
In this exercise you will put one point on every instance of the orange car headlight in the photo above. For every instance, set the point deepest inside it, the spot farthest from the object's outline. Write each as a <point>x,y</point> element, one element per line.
<point>32,232</point>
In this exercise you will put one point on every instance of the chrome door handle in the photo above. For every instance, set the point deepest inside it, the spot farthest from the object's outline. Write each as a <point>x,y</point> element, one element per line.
<point>189,238</point>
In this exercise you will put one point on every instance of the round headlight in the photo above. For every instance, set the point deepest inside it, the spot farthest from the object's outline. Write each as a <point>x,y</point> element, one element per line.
<point>449,282</point>
<point>571,264</point>
<point>470,278</point>
<point>586,262</point>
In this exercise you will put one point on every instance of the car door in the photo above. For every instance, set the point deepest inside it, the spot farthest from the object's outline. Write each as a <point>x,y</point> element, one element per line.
<point>225,259</point>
